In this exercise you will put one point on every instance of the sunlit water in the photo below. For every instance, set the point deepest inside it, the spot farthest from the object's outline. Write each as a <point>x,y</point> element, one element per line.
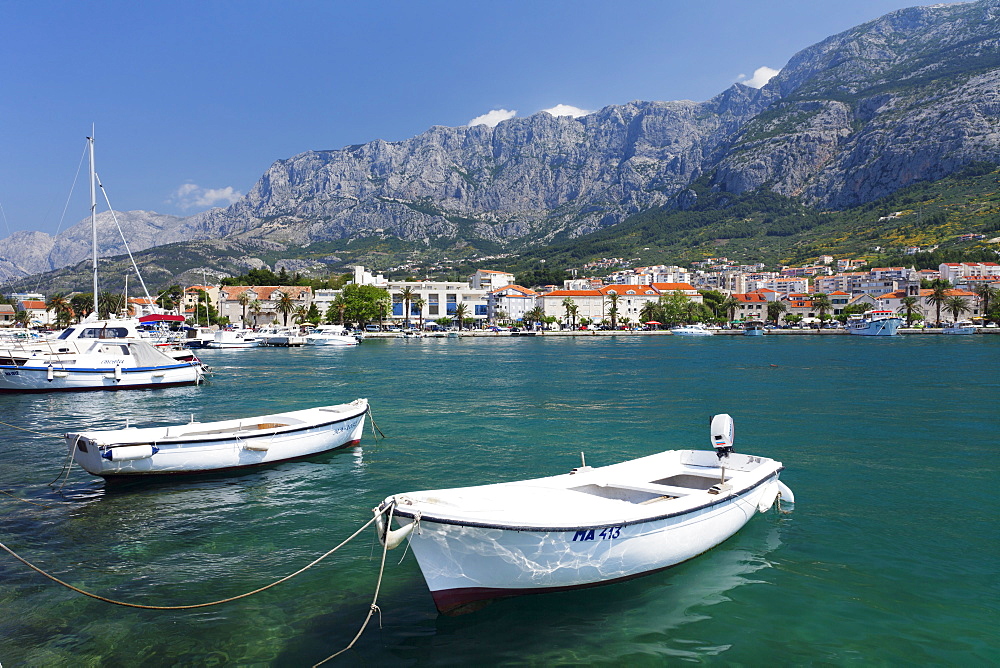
<point>889,558</point>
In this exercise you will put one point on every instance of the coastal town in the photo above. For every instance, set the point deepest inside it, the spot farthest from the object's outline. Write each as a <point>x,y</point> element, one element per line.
<point>715,291</point>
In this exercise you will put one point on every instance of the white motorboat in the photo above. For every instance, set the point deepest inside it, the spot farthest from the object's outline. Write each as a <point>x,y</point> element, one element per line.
<point>697,329</point>
<point>234,338</point>
<point>284,337</point>
<point>331,335</point>
<point>410,334</point>
<point>94,355</point>
<point>874,323</point>
<point>198,337</point>
<point>960,327</point>
<point>200,447</point>
<point>588,527</point>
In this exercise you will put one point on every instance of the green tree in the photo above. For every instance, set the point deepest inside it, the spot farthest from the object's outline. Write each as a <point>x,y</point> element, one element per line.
<point>169,299</point>
<point>62,308</point>
<point>532,316</point>
<point>938,296</point>
<point>729,306</point>
<point>419,303</point>
<point>775,309</point>
<point>285,305</point>
<point>821,302</point>
<point>244,300</point>
<point>461,312</point>
<point>407,295</point>
<point>674,307</point>
<point>908,305</point>
<point>986,294</point>
<point>613,309</point>
<point>957,305</point>
<point>255,309</point>
<point>365,303</point>
<point>83,305</point>
<point>569,304</point>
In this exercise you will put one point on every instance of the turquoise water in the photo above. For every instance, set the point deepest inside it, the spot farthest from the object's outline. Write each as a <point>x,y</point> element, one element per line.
<point>889,558</point>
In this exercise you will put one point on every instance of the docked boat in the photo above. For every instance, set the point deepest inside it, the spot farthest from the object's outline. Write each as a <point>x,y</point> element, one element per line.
<point>960,327</point>
<point>588,527</point>
<point>331,335</point>
<point>697,329</point>
<point>754,328</point>
<point>874,323</point>
<point>410,334</point>
<point>94,355</point>
<point>198,337</point>
<point>201,447</point>
<point>234,338</point>
<point>283,337</point>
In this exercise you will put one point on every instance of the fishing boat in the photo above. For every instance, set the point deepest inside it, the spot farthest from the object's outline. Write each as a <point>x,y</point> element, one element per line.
<point>874,323</point>
<point>235,338</point>
<point>697,329</point>
<point>960,327</point>
<point>591,526</point>
<point>201,447</point>
<point>331,335</point>
<point>754,328</point>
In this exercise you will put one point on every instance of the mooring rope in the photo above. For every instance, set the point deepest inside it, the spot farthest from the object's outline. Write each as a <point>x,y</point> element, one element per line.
<point>374,426</point>
<point>199,605</point>
<point>17,498</point>
<point>40,433</point>
<point>373,608</point>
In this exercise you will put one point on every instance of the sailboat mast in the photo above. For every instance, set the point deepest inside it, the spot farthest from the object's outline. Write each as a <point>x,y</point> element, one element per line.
<point>93,215</point>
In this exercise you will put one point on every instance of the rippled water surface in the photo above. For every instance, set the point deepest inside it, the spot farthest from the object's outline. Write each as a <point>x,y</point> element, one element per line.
<point>889,558</point>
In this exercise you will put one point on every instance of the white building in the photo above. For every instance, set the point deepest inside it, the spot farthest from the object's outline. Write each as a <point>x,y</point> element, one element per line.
<point>512,300</point>
<point>486,279</point>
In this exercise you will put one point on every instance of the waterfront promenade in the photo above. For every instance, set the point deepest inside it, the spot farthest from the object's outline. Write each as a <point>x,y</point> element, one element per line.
<point>663,332</point>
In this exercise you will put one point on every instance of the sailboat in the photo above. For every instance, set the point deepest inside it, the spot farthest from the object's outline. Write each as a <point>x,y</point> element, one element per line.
<point>97,354</point>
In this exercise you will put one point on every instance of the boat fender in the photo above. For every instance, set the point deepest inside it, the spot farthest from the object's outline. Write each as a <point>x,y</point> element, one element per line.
<point>390,538</point>
<point>768,496</point>
<point>129,453</point>
<point>786,494</point>
<point>118,373</point>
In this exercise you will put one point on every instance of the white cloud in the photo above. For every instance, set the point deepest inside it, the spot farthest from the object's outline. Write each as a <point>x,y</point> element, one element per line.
<point>492,118</point>
<point>567,110</point>
<point>191,196</point>
<point>760,77</point>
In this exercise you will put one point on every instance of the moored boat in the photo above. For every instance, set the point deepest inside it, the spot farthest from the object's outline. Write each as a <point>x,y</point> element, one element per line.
<point>874,323</point>
<point>236,338</point>
<point>331,335</point>
<point>697,329</point>
<point>94,355</point>
<point>960,327</point>
<point>200,447</point>
<point>588,527</point>
<point>754,328</point>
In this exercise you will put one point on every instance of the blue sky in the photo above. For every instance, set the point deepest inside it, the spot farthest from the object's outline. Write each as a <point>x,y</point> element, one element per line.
<point>193,101</point>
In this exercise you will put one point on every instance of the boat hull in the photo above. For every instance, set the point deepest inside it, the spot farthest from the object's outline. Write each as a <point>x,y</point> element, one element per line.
<point>206,447</point>
<point>878,327</point>
<point>467,562</point>
<point>56,379</point>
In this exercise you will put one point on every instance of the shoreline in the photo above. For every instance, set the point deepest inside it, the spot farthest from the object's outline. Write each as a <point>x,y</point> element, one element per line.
<point>928,331</point>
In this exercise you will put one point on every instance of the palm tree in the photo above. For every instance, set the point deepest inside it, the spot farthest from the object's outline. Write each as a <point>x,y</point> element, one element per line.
<point>339,305</point>
<point>109,304</point>
<point>420,303</point>
<point>938,296</point>
<point>568,304</point>
<point>775,309</point>
<point>285,306</point>
<point>21,318</point>
<point>301,314</point>
<point>407,295</point>
<point>985,293</point>
<point>574,310</point>
<point>729,306</point>
<point>908,305</point>
<point>383,306</point>
<point>613,311</point>
<point>461,311</point>
<point>822,303</point>
<point>59,305</point>
<point>533,315</point>
<point>255,308</point>
<point>956,305</point>
<point>244,300</point>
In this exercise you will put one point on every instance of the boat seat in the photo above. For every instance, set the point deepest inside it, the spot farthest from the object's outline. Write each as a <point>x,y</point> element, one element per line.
<point>650,488</point>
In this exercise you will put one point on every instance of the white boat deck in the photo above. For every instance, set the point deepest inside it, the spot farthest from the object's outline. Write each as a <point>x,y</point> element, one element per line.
<point>652,486</point>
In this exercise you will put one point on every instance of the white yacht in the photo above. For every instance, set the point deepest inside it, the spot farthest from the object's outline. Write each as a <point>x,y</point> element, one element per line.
<point>331,335</point>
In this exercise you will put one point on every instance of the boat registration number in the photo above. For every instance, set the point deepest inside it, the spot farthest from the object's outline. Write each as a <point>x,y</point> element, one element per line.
<point>608,533</point>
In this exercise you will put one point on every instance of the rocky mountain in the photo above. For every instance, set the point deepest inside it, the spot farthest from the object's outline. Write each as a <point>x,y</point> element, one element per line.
<point>912,96</point>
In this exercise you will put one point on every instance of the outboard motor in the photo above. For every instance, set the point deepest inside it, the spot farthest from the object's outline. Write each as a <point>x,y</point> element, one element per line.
<point>722,432</point>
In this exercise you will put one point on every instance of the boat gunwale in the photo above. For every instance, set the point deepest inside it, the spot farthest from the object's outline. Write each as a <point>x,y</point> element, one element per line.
<point>423,517</point>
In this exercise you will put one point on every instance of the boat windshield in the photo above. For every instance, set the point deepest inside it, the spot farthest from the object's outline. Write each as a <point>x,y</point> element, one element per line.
<point>100,333</point>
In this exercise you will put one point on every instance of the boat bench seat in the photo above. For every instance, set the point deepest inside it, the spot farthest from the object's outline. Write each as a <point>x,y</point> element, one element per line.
<point>651,488</point>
